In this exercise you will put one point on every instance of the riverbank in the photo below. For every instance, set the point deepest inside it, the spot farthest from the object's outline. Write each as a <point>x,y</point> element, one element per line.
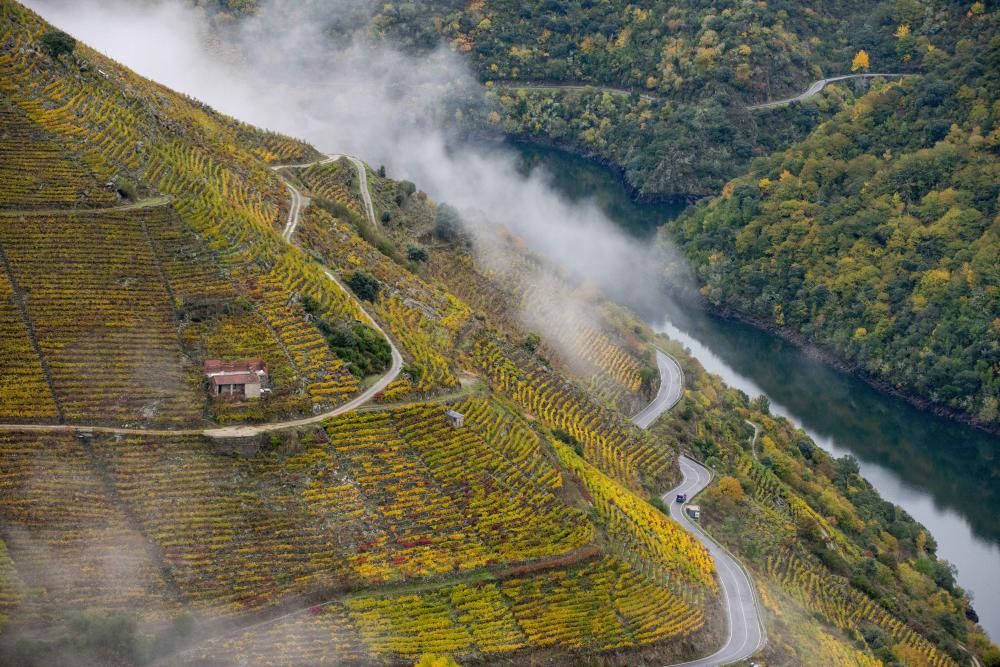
<point>830,358</point>
<point>500,139</point>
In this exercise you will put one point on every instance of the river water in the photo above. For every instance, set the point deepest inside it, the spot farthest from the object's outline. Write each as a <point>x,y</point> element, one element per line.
<point>945,475</point>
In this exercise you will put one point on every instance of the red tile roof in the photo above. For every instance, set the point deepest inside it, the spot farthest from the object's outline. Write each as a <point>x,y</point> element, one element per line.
<point>244,366</point>
<point>235,378</point>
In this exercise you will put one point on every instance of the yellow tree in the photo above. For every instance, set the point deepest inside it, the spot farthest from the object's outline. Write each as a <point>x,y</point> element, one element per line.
<point>731,489</point>
<point>860,62</point>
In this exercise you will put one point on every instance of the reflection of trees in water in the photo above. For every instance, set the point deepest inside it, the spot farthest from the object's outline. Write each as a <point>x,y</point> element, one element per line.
<point>957,466</point>
<point>576,178</point>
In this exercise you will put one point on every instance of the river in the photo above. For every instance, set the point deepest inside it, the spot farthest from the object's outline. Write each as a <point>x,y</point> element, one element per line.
<point>944,474</point>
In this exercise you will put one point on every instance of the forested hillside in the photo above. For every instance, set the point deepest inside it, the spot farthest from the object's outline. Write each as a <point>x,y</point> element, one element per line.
<point>877,237</point>
<point>697,65</point>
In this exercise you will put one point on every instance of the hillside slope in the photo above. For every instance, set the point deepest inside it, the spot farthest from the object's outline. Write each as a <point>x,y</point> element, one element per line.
<point>386,533</point>
<point>876,238</point>
<point>211,246</point>
<point>417,537</point>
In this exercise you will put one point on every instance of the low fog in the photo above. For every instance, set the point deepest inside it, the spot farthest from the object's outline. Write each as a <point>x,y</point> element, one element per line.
<point>282,70</point>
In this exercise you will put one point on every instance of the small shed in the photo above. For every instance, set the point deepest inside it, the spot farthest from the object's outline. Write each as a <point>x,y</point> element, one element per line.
<point>456,419</point>
<point>240,379</point>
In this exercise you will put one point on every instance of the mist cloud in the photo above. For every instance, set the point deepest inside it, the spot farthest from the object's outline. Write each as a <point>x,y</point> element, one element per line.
<point>282,70</point>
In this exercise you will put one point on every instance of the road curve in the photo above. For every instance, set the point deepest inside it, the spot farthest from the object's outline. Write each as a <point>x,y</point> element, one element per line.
<point>814,88</point>
<point>745,633</point>
<point>299,202</point>
<point>819,85</point>
<point>366,196</point>
<point>671,390</point>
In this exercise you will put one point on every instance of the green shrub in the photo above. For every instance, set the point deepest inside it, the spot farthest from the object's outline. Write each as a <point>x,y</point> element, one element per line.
<point>365,285</point>
<point>56,43</point>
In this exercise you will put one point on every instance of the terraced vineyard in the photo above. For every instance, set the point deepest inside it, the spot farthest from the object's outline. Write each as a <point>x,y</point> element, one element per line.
<point>72,546</point>
<point>235,536</point>
<point>35,172</point>
<point>846,607</point>
<point>332,181</point>
<point>424,320</point>
<point>516,518</point>
<point>210,164</point>
<point>24,393</point>
<point>609,442</point>
<point>217,322</point>
<point>571,320</point>
<point>392,495</point>
<point>424,537</point>
<point>601,605</point>
<point>645,534</point>
<point>459,494</point>
<point>100,310</point>
<point>511,435</point>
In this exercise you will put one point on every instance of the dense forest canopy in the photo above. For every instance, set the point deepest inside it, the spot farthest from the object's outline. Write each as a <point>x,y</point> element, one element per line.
<point>877,236</point>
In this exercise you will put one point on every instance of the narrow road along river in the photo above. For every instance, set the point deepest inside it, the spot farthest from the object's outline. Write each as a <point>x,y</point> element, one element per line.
<point>946,475</point>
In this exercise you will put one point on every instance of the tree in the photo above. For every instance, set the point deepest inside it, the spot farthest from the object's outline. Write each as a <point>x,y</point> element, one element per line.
<point>731,489</point>
<point>861,61</point>
<point>56,43</point>
<point>448,224</point>
<point>761,404</point>
<point>416,253</point>
<point>365,285</point>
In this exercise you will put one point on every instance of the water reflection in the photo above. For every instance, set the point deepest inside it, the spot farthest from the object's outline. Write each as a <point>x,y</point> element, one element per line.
<point>957,465</point>
<point>945,475</point>
<point>576,179</point>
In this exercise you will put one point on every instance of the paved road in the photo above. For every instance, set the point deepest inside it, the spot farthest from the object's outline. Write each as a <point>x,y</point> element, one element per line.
<point>363,178</point>
<point>299,203</point>
<point>671,390</point>
<point>816,87</point>
<point>744,628</point>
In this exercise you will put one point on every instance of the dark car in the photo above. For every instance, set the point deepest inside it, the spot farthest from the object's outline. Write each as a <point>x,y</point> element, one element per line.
<point>682,497</point>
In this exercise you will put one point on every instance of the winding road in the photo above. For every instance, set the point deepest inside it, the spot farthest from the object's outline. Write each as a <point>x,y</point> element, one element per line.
<point>299,203</point>
<point>363,178</point>
<point>814,88</point>
<point>745,633</point>
<point>671,390</point>
<point>817,86</point>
